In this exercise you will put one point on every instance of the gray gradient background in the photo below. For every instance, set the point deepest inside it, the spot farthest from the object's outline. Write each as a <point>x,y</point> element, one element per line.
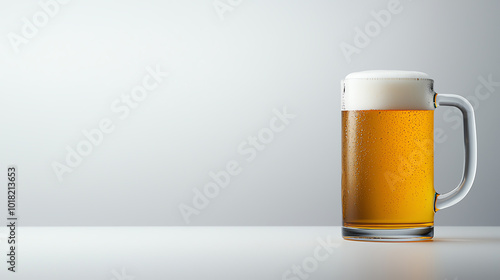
<point>227,76</point>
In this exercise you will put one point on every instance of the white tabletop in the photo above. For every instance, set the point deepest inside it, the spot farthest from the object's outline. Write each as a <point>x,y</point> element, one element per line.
<point>126,253</point>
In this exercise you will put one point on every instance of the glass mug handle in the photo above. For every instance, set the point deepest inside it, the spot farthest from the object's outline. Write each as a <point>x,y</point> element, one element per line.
<point>470,142</point>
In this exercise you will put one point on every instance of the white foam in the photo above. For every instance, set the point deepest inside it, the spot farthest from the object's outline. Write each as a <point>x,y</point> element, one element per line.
<point>387,90</point>
<point>388,74</point>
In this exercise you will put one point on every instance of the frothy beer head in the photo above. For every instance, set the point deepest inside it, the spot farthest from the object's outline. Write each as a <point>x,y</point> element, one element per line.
<point>387,90</point>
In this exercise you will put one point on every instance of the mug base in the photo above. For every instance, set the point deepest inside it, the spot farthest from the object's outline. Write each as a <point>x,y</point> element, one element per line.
<point>388,235</point>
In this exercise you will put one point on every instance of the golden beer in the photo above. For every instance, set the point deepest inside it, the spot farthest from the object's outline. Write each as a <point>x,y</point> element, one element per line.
<point>388,155</point>
<point>387,169</point>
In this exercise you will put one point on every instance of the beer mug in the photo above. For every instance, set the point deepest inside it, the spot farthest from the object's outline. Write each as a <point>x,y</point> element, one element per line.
<point>388,155</point>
